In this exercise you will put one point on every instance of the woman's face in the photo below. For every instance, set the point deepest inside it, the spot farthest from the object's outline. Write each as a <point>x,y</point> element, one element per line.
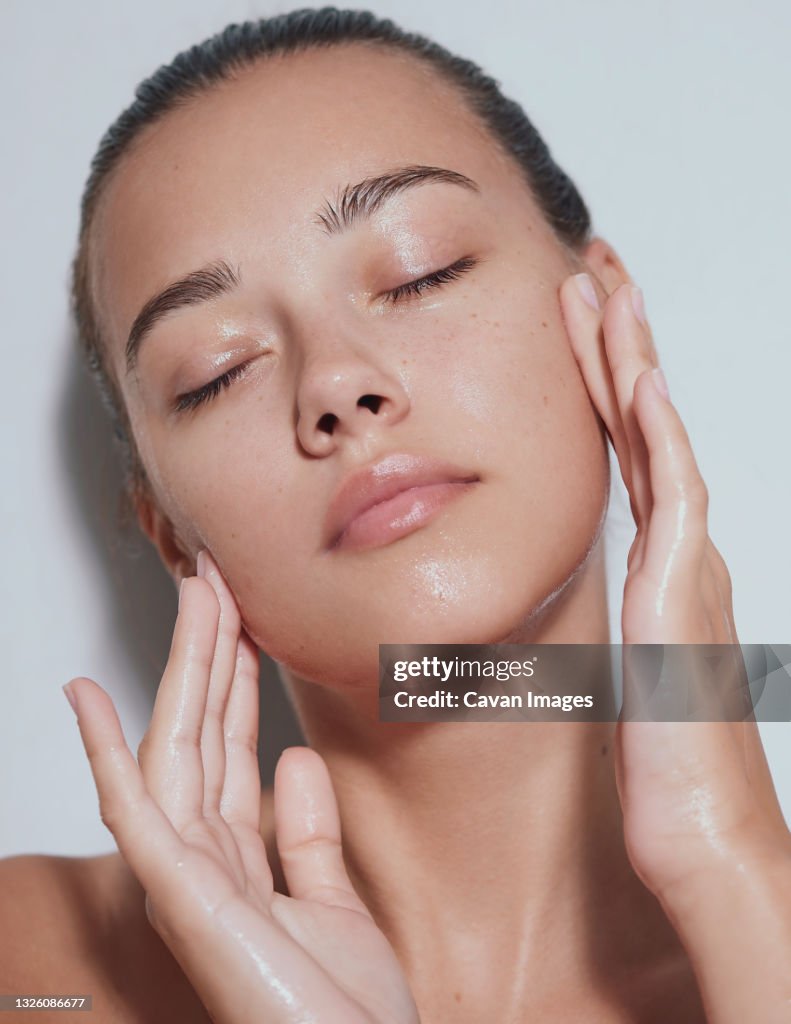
<point>477,371</point>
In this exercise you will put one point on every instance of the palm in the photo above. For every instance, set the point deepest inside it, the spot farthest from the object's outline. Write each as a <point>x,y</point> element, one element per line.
<point>363,978</point>
<point>187,820</point>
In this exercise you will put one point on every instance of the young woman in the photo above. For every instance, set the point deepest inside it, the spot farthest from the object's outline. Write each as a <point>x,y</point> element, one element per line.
<point>323,264</point>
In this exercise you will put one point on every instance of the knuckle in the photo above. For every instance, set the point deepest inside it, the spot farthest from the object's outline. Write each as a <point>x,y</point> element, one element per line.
<point>722,572</point>
<point>110,816</point>
<point>724,576</point>
<point>159,921</point>
<point>151,914</point>
<point>143,747</point>
<point>186,739</point>
<point>238,742</point>
<point>315,844</point>
<point>697,491</point>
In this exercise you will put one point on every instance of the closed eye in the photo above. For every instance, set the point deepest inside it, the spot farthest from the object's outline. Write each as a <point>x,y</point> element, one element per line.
<point>439,277</point>
<point>192,399</point>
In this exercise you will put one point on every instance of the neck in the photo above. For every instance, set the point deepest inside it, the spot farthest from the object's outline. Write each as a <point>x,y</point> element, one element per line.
<point>494,843</point>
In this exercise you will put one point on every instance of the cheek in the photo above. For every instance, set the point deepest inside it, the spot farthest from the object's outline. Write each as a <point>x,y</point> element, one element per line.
<point>505,369</point>
<point>229,489</point>
<point>547,427</point>
<point>512,390</point>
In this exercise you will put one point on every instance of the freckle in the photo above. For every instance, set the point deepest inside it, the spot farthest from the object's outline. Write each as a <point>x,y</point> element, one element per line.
<point>543,323</point>
<point>457,996</point>
<point>604,750</point>
<point>473,316</point>
<point>546,399</point>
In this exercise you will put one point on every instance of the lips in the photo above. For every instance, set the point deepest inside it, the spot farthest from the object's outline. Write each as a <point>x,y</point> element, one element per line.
<point>377,484</point>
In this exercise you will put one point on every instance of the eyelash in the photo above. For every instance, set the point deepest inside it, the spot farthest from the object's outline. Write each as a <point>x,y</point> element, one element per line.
<point>439,277</point>
<point>193,399</point>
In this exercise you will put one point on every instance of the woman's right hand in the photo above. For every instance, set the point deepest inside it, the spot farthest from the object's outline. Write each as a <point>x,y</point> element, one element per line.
<point>186,818</point>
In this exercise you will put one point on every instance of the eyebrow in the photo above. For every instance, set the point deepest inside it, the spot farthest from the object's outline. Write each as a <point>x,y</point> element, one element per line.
<point>198,286</point>
<point>351,206</point>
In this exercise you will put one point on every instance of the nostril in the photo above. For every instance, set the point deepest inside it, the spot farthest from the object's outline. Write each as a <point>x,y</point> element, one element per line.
<point>327,422</point>
<point>371,402</point>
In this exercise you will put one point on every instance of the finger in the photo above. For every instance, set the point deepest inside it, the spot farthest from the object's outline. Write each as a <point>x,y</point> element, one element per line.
<point>240,804</point>
<point>241,794</point>
<point>212,741</point>
<point>678,528</point>
<point>170,753</point>
<point>144,834</point>
<point>629,353</point>
<point>221,680</point>
<point>308,831</point>
<point>584,326</point>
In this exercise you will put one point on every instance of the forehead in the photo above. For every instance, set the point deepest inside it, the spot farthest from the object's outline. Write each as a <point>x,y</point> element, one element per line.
<point>238,172</point>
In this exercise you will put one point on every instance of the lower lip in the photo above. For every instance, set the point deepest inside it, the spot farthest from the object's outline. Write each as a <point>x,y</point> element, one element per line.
<point>404,512</point>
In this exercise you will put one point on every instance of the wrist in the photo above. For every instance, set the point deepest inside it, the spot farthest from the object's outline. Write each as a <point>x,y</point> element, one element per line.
<point>754,869</point>
<point>734,919</point>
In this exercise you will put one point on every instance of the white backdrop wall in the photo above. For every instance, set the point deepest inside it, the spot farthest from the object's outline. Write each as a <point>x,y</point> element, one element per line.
<point>669,116</point>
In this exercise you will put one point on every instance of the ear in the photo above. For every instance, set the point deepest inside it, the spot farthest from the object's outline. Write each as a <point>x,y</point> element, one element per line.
<point>604,262</point>
<point>162,534</point>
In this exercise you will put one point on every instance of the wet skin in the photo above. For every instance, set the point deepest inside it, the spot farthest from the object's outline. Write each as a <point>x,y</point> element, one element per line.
<point>488,370</point>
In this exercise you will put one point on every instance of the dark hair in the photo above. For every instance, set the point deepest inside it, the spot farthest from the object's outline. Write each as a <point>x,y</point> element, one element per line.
<point>234,49</point>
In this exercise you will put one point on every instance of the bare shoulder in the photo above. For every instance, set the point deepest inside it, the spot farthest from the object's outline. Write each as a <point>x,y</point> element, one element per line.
<point>51,908</point>
<point>48,904</point>
<point>77,925</point>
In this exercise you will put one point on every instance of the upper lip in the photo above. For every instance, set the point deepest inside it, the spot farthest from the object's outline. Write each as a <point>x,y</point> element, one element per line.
<point>383,479</point>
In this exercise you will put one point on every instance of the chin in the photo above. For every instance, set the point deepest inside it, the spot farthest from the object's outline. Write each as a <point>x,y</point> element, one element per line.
<point>460,600</point>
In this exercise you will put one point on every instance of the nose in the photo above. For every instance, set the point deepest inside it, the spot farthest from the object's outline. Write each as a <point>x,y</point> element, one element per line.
<point>346,396</point>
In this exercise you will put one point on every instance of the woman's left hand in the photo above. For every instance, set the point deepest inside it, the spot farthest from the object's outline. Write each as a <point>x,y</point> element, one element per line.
<point>702,824</point>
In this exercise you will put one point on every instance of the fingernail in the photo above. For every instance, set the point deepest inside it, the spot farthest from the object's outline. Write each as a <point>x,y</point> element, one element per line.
<point>70,697</point>
<point>201,563</point>
<point>586,289</point>
<point>638,305</point>
<point>660,383</point>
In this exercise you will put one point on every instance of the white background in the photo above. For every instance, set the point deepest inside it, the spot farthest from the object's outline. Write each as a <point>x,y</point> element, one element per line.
<point>672,119</point>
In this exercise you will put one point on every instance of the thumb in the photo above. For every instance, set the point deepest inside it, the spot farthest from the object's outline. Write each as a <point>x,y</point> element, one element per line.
<point>308,831</point>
